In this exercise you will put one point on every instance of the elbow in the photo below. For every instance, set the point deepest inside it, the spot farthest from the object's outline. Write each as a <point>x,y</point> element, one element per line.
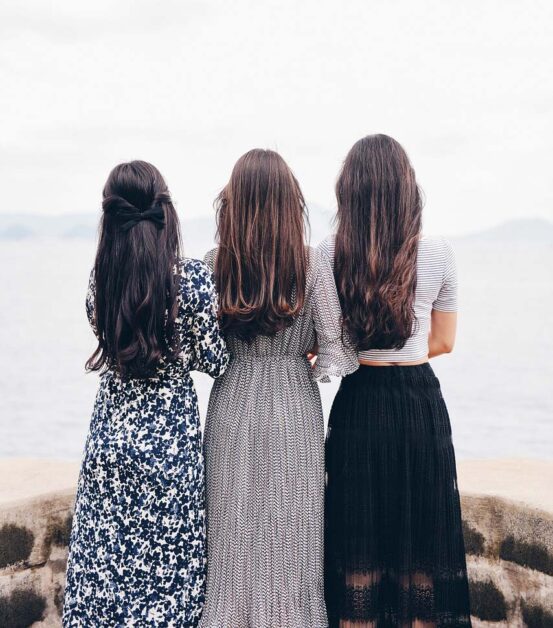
<point>448,346</point>
<point>440,346</point>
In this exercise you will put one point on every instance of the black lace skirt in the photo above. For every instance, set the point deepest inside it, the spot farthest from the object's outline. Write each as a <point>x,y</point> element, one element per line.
<point>394,544</point>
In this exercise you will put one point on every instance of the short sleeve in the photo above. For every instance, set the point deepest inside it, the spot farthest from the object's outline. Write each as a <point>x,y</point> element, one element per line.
<point>336,356</point>
<point>446,301</point>
<point>91,301</point>
<point>209,347</point>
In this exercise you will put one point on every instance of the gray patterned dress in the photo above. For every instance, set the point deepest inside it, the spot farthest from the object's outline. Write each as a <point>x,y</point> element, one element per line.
<point>264,452</point>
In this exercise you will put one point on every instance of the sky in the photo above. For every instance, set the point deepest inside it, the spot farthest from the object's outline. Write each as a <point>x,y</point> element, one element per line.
<point>466,87</point>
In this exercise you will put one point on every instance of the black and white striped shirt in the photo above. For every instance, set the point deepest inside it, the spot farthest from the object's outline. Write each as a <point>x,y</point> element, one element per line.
<point>436,290</point>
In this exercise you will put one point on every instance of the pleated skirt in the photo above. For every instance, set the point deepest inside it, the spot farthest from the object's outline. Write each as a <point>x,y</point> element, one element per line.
<point>394,550</point>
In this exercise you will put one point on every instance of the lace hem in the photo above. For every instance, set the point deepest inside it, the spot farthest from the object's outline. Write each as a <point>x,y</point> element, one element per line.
<point>439,573</point>
<point>444,603</point>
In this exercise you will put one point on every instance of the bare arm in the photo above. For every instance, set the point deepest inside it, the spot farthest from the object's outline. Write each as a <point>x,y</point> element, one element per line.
<point>443,327</point>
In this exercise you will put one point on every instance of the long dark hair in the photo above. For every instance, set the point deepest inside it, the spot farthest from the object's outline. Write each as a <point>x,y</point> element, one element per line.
<point>379,224</point>
<point>261,262</point>
<point>135,303</point>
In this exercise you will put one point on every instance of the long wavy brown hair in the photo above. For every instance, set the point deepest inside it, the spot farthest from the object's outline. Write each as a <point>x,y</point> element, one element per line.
<point>261,262</point>
<point>136,288</point>
<point>378,230</point>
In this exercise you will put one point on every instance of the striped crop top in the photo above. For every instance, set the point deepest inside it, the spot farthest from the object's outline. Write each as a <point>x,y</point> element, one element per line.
<point>436,290</point>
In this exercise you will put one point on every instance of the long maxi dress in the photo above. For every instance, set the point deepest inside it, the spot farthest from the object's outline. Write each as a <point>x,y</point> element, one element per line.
<point>137,549</point>
<point>264,452</point>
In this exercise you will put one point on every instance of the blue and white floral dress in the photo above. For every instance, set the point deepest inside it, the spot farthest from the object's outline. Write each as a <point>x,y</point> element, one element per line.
<point>137,553</point>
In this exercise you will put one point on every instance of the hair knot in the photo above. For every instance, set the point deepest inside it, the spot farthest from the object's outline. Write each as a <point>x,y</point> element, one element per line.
<point>128,215</point>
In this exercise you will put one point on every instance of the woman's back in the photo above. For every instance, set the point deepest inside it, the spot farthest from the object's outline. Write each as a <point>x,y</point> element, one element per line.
<point>194,306</point>
<point>264,450</point>
<point>138,530</point>
<point>394,544</point>
<point>264,434</point>
<point>436,289</point>
<point>318,322</point>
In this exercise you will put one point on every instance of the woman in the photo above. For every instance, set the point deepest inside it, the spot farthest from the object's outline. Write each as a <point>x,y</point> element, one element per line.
<point>137,555</point>
<point>394,545</point>
<point>264,440</point>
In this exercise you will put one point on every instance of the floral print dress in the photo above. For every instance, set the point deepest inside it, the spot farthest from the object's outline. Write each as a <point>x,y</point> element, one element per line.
<point>137,552</point>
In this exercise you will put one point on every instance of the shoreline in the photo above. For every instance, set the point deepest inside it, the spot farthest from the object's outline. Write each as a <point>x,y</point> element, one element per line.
<point>524,480</point>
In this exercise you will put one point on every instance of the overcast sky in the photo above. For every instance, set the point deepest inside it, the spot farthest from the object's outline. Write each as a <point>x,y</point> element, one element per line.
<point>466,87</point>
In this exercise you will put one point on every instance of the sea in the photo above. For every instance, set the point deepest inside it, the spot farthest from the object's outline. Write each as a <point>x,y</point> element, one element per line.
<point>498,382</point>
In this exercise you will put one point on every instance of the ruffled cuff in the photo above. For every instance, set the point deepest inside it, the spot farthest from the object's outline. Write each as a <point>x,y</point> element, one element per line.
<point>334,360</point>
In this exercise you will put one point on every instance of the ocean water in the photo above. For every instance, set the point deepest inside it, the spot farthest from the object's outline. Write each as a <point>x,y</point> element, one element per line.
<point>498,382</point>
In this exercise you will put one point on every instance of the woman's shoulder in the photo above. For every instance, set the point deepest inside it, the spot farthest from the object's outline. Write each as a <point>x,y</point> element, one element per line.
<point>323,250</point>
<point>313,256</point>
<point>435,248</point>
<point>319,265</point>
<point>326,246</point>
<point>209,258</point>
<point>192,265</point>
<point>195,283</point>
<point>194,272</point>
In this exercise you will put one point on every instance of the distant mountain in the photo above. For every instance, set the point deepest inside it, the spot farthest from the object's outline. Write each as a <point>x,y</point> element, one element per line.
<point>523,230</point>
<point>16,232</point>
<point>80,230</point>
<point>49,225</point>
<point>199,232</point>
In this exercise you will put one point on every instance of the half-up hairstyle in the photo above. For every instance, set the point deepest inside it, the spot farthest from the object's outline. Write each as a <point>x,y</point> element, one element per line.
<point>261,263</point>
<point>377,238</point>
<point>135,302</point>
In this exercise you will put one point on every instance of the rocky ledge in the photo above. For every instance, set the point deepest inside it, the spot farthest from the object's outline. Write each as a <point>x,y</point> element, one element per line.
<point>508,528</point>
<point>507,520</point>
<point>36,507</point>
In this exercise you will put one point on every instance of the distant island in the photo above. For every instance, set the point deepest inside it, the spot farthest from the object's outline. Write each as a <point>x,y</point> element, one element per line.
<point>25,226</point>
<point>525,229</point>
<point>196,230</point>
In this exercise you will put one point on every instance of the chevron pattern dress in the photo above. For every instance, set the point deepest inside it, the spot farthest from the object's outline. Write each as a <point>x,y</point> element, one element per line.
<point>264,452</point>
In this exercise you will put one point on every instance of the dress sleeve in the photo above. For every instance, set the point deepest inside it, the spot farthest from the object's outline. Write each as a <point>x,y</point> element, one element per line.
<point>336,356</point>
<point>90,302</point>
<point>446,301</point>
<point>209,259</point>
<point>210,351</point>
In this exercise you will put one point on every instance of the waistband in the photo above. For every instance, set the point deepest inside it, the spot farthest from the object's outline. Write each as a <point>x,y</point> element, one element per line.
<point>394,375</point>
<point>268,358</point>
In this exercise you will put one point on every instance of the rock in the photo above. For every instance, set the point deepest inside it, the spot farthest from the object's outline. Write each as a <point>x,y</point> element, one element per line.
<point>508,526</point>
<point>36,507</point>
<point>507,522</point>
